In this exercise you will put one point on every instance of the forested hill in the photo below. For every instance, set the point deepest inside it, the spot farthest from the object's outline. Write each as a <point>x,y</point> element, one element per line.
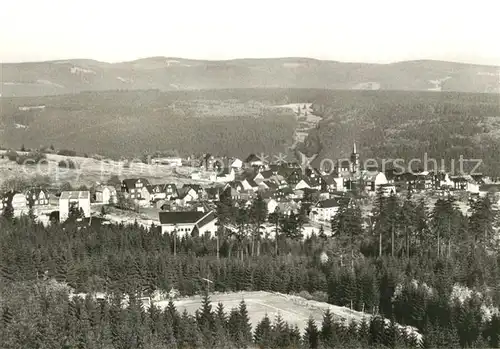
<point>170,74</point>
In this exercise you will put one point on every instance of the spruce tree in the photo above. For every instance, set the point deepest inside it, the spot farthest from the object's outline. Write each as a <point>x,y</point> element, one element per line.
<point>311,334</point>
<point>263,333</point>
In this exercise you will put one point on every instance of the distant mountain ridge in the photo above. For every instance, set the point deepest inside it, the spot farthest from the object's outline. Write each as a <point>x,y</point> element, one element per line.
<point>171,73</point>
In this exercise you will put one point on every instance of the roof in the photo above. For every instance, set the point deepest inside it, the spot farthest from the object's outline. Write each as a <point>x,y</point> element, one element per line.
<point>271,184</point>
<point>130,182</point>
<point>492,188</point>
<point>179,217</point>
<point>266,174</point>
<point>335,202</point>
<point>100,188</point>
<point>252,182</point>
<point>75,195</point>
<point>152,188</point>
<point>195,187</point>
<point>207,219</point>
<point>252,157</point>
<point>183,192</point>
<point>171,185</point>
<point>287,171</point>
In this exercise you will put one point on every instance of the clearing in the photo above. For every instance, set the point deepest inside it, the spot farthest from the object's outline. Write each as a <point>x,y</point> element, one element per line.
<point>293,309</point>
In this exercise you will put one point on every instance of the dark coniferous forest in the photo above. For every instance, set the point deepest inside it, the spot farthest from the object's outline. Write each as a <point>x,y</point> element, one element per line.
<point>404,266</point>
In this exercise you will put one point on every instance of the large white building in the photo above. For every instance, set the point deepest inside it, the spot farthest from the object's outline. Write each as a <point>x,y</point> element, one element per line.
<point>188,223</point>
<point>74,199</point>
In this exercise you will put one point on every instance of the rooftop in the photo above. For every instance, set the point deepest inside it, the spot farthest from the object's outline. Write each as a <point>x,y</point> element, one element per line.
<point>75,195</point>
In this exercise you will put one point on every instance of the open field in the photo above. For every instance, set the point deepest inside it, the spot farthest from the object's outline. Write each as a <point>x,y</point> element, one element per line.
<point>294,309</point>
<point>89,171</point>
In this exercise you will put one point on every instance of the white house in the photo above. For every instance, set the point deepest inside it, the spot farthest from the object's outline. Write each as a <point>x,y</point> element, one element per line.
<point>188,223</point>
<point>153,192</point>
<point>325,210</point>
<point>303,184</point>
<point>105,194</point>
<point>73,199</point>
<point>38,197</point>
<point>374,179</point>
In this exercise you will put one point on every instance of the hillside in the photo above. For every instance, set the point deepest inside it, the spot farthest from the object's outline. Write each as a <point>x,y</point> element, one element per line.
<point>132,124</point>
<point>406,126</point>
<point>237,122</point>
<point>170,74</point>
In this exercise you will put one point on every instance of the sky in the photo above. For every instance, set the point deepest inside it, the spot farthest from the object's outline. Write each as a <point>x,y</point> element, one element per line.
<point>377,31</point>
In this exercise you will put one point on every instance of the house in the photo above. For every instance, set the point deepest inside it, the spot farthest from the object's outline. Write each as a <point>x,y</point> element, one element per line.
<point>283,194</point>
<point>388,189</point>
<point>253,160</point>
<point>236,185</point>
<point>197,188</point>
<point>223,176</point>
<point>465,183</point>
<point>213,194</point>
<point>170,190</point>
<point>237,164</point>
<point>105,194</point>
<point>442,180</point>
<point>249,184</point>
<point>334,182</point>
<point>74,200</point>
<point>17,200</point>
<point>373,180</point>
<point>288,207</point>
<point>231,192</point>
<point>268,185</point>
<point>133,187</point>
<point>38,197</point>
<point>292,176</point>
<point>186,194</point>
<point>263,176</point>
<point>152,193</point>
<point>188,223</point>
<point>325,210</point>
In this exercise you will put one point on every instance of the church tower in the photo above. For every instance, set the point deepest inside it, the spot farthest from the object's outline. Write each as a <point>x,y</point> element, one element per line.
<point>354,160</point>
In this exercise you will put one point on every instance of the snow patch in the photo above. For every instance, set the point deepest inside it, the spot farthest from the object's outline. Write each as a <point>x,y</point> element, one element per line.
<point>78,70</point>
<point>171,62</point>
<point>21,126</point>
<point>125,80</point>
<point>175,86</point>
<point>488,73</point>
<point>438,84</point>
<point>47,82</point>
<point>32,108</point>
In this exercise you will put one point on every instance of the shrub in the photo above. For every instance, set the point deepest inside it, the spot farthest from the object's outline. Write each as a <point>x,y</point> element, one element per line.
<point>30,159</point>
<point>68,163</point>
<point>66,152</point>
<point>11,155</point>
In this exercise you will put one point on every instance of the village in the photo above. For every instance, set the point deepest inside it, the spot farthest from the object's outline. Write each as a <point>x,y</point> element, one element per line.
<point>285,187</point>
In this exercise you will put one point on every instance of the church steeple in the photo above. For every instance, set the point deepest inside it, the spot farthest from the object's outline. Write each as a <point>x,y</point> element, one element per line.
<point>354,159</point>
